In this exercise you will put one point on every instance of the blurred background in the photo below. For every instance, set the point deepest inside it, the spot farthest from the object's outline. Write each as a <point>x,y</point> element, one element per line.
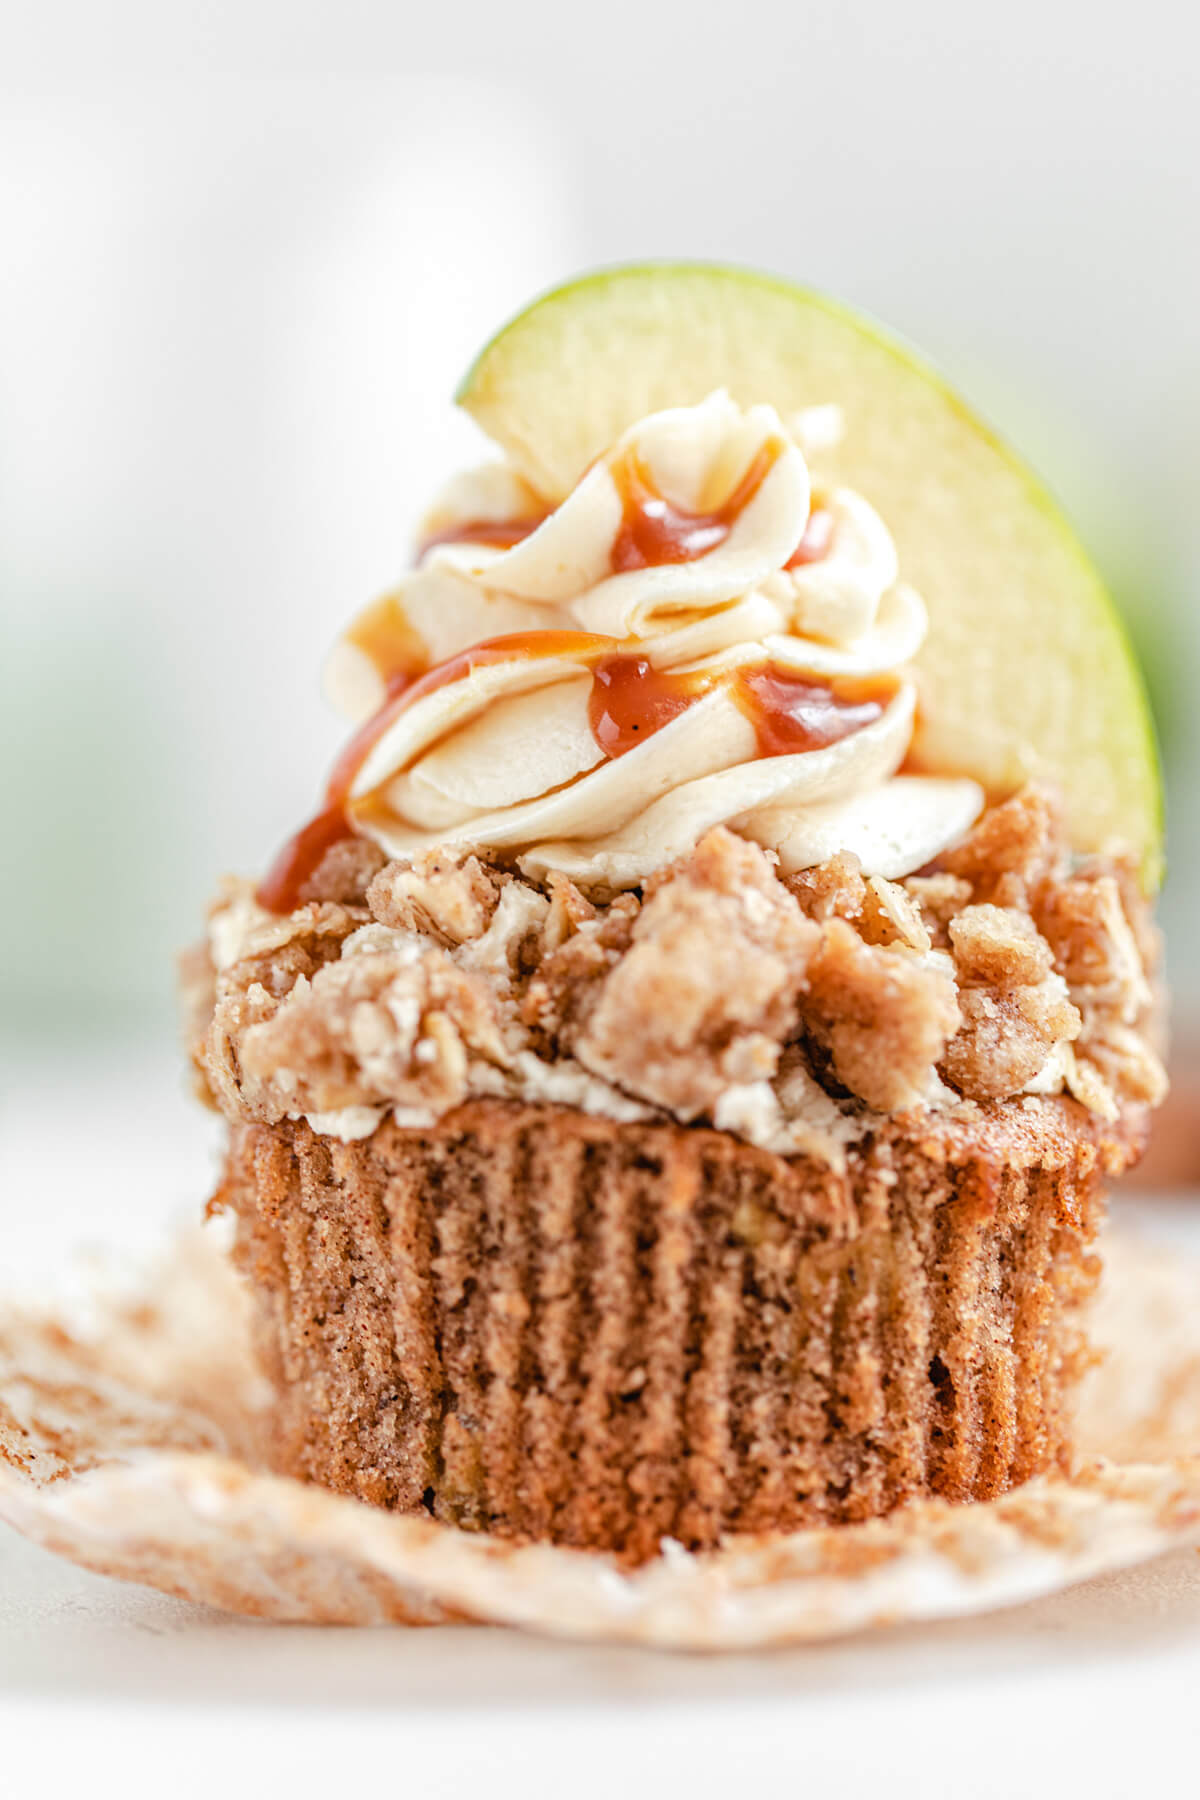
<point>246,253</point>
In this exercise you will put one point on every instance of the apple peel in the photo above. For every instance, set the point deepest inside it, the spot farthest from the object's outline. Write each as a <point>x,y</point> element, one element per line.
<point>1026,664</point>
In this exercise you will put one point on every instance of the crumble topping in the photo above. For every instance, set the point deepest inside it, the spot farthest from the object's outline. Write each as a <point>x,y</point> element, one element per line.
<point>790,1010</point>
<point>710,981</point>
<point>447,897</point>
<point>886,1016</point>
<point>1015,1007</point>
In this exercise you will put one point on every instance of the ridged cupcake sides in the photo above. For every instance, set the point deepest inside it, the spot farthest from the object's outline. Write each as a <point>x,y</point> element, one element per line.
<point>533,1322</point>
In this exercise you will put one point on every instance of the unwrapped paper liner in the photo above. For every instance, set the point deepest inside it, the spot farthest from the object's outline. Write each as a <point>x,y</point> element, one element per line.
<point>127,1445</point>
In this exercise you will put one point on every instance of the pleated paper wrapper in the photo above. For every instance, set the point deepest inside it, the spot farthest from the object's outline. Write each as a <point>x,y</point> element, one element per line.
<point>129,1419</point>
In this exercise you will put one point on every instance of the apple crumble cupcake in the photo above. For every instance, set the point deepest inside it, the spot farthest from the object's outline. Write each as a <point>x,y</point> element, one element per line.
<point>667,1097</point>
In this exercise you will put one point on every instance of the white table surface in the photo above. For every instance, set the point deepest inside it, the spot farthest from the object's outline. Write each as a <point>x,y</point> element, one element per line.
<point>111,1687</point>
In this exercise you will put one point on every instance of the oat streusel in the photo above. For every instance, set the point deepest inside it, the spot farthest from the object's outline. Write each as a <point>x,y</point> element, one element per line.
<point>419,985</point>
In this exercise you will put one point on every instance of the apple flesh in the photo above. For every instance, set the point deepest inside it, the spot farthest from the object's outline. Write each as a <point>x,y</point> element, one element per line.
<point>1026,671</point>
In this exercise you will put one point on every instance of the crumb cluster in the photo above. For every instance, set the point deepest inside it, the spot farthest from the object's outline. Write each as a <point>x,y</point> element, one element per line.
<point>787,1010</point>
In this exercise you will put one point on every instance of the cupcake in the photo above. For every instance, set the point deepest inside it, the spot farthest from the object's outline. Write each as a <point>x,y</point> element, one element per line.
<point>672,1079</point>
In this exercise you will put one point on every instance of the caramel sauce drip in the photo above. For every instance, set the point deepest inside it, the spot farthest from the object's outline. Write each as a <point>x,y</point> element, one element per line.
<point>384,635</point>
<point>817,540</point>
<point>793,713</point>
<point>654,531</point>
<point>282,886</point>
<point>631,700</point>
<point>527,646</point>
<point>496,534</point>
<point>280,889</point>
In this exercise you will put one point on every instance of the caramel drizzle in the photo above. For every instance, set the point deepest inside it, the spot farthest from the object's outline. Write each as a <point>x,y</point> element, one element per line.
<point>817,539</point>
<point>495,534</point>
<point>654,530</point>
<point>794,713</point>
<point>790,713</point>
<point>298,860</point>
<point>281,888</point>
<point>386,638</point>
<point>630,699</point>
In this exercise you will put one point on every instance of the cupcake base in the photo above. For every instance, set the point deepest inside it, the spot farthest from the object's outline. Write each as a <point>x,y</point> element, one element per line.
<point>541,1324</point>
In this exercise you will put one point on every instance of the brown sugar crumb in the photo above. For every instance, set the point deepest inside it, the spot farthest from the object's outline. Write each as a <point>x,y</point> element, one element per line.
<point>706,993</point>
<point>279,970</point>
<point>833,890</point>
<point>882,912</point>
<point>993,945</point>
<point>375,1027</point>
<point>939,898</point>
<point>1004,1043</point>
<point>568,911</point>
<point>344,872</point>
<point>1013,848</point>
<point>1015,1006</point>
<point>1124,1062</point>
<point>1085,924</point>
<point>197,989</point>
<point>564,990</point>
<point>1108,950</point>
<point>1001,970</point>
<point>1124,869</point>
<point>218,1053</point>
<point>444,894</point>
<point>884,1015</point>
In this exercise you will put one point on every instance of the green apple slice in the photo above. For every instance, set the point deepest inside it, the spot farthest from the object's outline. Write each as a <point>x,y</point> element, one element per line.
<point>1026,670</point>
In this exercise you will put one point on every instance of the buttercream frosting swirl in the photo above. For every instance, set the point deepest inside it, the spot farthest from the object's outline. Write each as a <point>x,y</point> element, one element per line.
<point>759,617</point>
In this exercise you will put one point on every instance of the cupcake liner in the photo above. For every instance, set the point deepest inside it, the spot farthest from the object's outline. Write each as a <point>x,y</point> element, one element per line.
<point>124,1446</point>
<point>544,1325</point>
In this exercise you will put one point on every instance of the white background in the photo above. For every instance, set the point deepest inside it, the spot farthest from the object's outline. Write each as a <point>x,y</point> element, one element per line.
<point>248,248</point>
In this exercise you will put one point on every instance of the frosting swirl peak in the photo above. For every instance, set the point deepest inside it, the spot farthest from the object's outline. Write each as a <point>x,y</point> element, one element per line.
<point>697,635</point>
